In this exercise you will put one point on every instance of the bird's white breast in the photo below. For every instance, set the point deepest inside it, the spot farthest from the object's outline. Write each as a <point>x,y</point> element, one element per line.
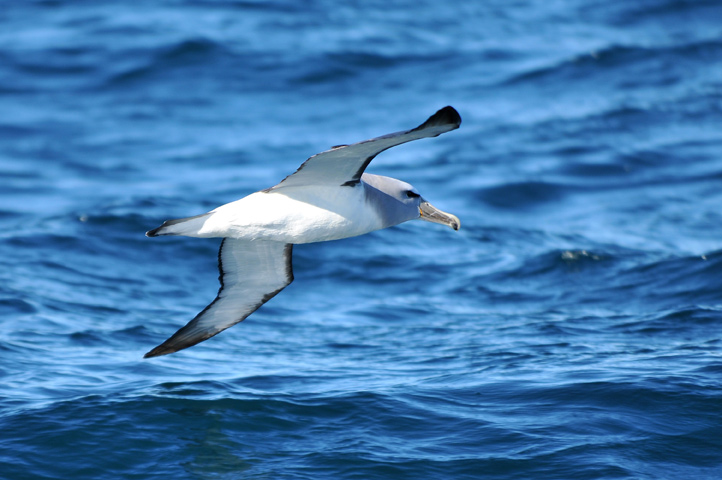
<point>295,215</point>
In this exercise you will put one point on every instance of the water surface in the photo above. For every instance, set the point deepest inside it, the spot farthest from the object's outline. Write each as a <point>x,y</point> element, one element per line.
<point>570,329</point>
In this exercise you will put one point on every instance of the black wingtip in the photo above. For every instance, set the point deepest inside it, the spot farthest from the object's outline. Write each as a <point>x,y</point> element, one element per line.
<point>165,348</point>
<point>156,231</point>
<point>446,116</point>
<point>158,351</point>
<point>181,339</point>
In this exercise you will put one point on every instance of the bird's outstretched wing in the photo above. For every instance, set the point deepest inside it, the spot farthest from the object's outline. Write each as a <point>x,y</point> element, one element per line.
<point>251,273</point>
<point>344,165</point>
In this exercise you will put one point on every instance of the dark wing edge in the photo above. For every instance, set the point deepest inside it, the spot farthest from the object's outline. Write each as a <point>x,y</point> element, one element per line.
<point>193,332</point>
<point>444,120</point>
<point>447,116</point>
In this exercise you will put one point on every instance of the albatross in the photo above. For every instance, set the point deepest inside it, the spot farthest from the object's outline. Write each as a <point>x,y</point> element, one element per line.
<point>329,197</point>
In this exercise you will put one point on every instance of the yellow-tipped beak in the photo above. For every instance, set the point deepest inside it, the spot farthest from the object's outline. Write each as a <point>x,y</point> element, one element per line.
<point>432,214</point>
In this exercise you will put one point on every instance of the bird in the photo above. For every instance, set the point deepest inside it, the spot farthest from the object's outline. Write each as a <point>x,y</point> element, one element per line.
<point>329,197</point>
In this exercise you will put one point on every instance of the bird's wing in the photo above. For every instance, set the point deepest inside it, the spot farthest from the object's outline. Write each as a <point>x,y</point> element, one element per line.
<point>251,273</point>
<point>344,165</point>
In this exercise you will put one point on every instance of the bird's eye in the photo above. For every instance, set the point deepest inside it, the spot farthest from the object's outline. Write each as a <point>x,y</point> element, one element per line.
<point>412,194</point>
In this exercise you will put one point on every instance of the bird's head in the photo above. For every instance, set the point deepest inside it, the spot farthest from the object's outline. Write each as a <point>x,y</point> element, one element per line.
<point>398,202</point>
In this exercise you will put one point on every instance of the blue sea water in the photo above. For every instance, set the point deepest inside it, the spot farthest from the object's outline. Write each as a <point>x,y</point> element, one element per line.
<point>572,329</point>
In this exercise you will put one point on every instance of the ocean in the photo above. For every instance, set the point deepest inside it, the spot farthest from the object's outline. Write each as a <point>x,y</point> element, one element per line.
<point>571,329</point>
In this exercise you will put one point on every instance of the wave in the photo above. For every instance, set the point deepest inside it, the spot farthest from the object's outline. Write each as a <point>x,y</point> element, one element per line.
<point>619,59</point>
<point>189,54</point>
<point>523,195</point>
<point>499,427</point>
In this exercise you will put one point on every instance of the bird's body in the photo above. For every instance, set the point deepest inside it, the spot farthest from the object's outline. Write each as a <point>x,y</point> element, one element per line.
<point>291,215</point>
<point>328,198</point>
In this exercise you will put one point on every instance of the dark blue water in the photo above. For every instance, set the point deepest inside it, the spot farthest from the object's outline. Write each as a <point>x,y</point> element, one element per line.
<point>572,329</point>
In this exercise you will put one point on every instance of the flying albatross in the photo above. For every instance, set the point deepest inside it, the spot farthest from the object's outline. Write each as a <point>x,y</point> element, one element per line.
<point>329,197</point>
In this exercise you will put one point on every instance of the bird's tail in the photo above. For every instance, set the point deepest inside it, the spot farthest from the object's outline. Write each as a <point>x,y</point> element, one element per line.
<point>189,226</point>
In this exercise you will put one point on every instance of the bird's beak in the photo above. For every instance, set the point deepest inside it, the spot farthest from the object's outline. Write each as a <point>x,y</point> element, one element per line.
<point>432,214</point>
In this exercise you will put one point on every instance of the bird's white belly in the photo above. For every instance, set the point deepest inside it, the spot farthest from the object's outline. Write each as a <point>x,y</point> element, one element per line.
<point>295,215</point>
